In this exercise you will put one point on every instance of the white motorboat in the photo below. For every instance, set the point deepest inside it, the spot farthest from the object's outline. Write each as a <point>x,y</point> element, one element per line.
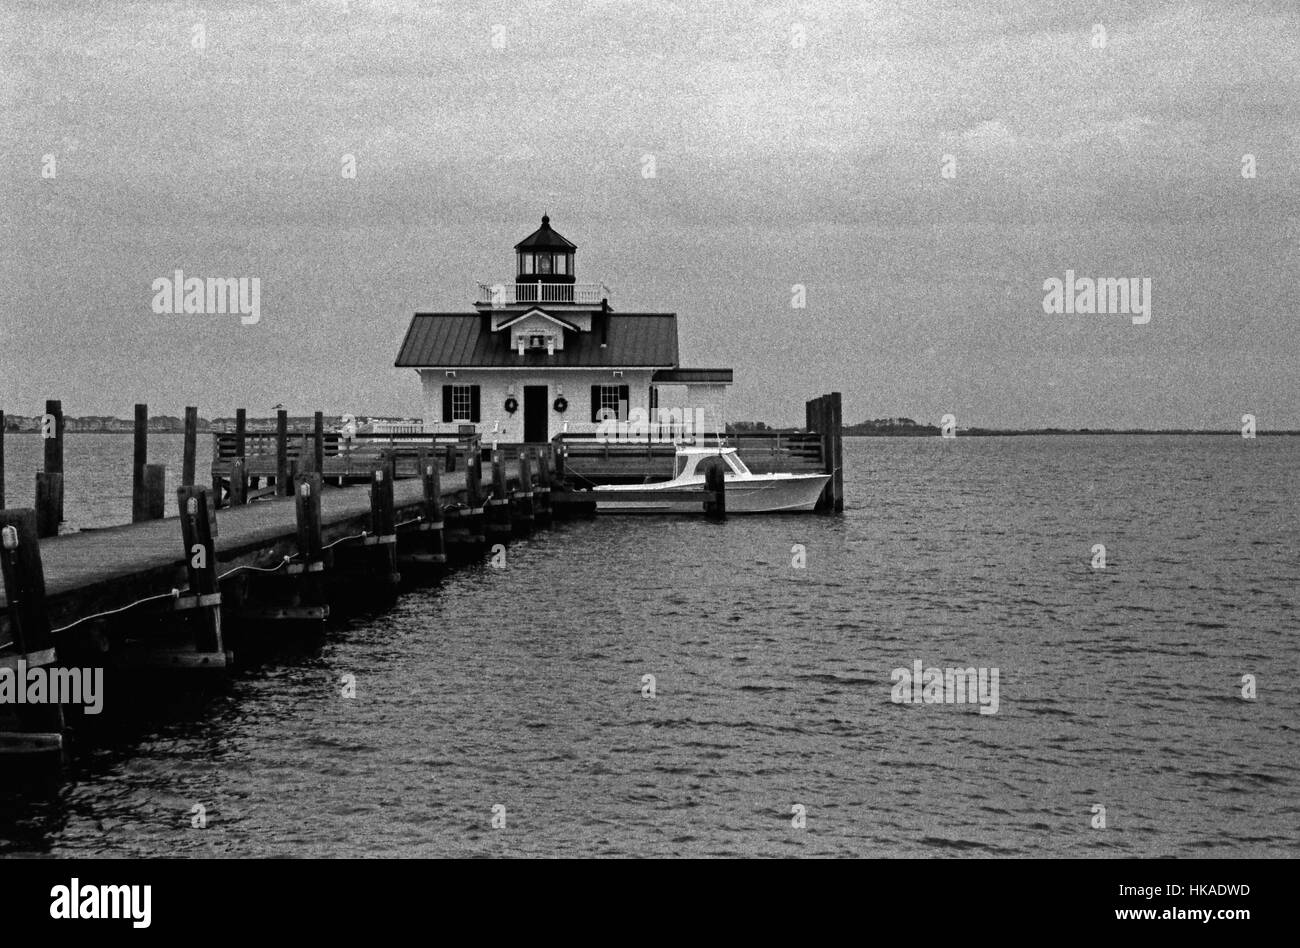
<point>747,492</point>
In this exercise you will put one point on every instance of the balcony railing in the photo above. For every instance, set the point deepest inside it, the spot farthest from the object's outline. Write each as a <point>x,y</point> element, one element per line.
<point>511,294</point>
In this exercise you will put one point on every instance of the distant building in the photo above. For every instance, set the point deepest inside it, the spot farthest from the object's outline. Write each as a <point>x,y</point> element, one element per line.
<point>544,351</point>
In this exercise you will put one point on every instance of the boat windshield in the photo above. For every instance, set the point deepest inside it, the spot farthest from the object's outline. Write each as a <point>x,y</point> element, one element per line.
<point>689,464</point>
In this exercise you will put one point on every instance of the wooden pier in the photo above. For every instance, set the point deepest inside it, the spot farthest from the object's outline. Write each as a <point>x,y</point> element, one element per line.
<point>294,527</point>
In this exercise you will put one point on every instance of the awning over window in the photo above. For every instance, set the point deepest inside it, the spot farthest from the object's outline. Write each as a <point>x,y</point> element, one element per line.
<point>692,377</point>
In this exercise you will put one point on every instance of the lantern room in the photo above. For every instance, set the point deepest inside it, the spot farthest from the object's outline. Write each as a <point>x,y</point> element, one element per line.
<point>544,256</point>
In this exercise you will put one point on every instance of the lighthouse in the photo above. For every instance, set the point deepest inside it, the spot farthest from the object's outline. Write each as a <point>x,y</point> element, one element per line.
<point>543,354</point>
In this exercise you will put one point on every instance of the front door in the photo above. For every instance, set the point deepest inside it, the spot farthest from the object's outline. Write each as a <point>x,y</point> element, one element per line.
<point>537,410</point>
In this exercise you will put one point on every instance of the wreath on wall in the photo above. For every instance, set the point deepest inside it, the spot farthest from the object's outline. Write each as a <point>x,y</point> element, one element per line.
<point>560,404</point>
<point>512,404</point>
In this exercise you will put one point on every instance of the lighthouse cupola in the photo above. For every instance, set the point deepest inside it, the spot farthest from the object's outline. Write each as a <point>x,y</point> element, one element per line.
<point>544,256</point>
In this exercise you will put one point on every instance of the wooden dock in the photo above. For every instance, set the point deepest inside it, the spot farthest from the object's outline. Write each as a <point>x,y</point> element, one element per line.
<point>281,540</point>
<point>108,568</point>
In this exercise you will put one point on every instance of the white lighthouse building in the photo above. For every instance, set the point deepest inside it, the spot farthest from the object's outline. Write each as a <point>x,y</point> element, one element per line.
<point>544,354</point>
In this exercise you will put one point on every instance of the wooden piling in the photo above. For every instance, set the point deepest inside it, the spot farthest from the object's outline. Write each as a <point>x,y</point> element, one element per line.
<point>541,456</point>
<point>140,457</point>
<point>282,453</point>
<point>500,489</point>
<point>241,432</point>
<point>383,526</point>
<point>201,570</point>
<point>307,499</point>
<point>426,545</point>
<point>296,596</point>
<point>52,426</point>
<point>473,480</point>
<point>310,598</point>
<point>2,460</point>
<point>155,490</point>
<point>817,415</point>
<point>828,450</point>
<point>542,490</point>
<point>464,532</point>
<point>191,445</point>
<point>496,510</point>
<point>837,451</point>
<point>24,579</point>
<point>29,624</point>
<point>52,438</point>
<point>318,443</point>
<point>557,455</point>
<point>432,488</point>
<point>49,500</point>
<point>524,508</point>
<point>715,482</point>
<point>238,483</point>
<point>381,501</point>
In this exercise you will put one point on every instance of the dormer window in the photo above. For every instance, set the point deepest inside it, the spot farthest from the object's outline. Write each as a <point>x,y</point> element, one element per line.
<point>526,341</point>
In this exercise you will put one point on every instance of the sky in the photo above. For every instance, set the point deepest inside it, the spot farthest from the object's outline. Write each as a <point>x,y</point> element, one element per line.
<point>919,167</point>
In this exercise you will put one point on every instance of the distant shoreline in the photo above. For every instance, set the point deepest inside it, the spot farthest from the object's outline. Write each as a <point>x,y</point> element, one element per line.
<point>1014,433</point>
<point>848,433</point>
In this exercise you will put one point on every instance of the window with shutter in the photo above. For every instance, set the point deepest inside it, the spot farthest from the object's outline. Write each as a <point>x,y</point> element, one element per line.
<point>460,403</point>
<point>606,400</point>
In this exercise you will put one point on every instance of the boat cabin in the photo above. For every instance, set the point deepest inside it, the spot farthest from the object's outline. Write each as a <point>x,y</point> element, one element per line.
<point>691,462</point>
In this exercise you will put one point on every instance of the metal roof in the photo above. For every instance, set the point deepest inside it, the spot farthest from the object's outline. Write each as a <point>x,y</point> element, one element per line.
<point>437,340</point>
<point>545,239</point>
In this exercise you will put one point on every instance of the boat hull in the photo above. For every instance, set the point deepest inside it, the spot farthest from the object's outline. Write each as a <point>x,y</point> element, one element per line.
<point>790,493</point>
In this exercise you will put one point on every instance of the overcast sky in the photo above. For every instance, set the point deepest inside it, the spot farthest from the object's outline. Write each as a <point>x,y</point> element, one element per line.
<point>776,163</point>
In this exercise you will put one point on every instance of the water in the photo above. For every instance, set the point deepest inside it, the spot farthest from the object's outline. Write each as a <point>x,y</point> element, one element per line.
<point>522,687</point>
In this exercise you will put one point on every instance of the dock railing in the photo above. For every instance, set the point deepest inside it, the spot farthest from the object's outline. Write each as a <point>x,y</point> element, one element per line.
<point>342,458</point>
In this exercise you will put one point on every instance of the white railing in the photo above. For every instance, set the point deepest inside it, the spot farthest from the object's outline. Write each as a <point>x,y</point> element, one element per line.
<point>393,428</point>
<point>511,294</point>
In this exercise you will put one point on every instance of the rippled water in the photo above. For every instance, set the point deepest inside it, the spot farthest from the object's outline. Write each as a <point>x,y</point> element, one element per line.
<point>523,687</point>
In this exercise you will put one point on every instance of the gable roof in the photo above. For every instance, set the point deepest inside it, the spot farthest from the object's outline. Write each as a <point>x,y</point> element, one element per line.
<point>438,340</point>
<point>536,312</point>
